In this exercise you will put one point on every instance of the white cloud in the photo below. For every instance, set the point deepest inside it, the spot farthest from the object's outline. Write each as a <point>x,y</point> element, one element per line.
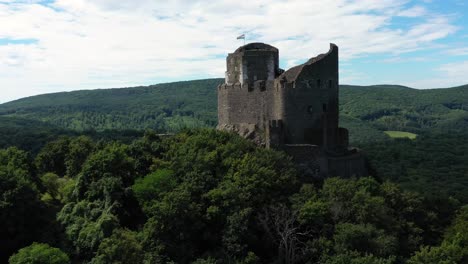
<point>456,71</point>
<point>85,44</point>
<point>458,51</point>
<point>400,59</point>
<point>415,11</point>
<point>446,75</point>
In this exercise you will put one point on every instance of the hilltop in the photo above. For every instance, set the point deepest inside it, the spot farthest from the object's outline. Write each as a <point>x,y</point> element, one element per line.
<point>366,111</point>
<point>162,107</point>
<point>95,192</point>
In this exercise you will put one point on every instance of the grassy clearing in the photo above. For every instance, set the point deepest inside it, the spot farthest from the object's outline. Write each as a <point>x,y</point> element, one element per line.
<point>400,134</point>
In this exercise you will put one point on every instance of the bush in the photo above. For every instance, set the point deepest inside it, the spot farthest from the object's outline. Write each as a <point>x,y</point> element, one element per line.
<point>38,253</point>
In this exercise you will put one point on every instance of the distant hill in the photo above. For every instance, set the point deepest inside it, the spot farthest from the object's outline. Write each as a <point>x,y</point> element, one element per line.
<point>366,111</point>
<point>390,107</point>
<point>163,106</point>
<point>32,135</point>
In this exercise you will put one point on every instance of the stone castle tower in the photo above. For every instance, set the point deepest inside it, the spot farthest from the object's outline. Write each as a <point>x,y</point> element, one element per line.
<point>295,110</point>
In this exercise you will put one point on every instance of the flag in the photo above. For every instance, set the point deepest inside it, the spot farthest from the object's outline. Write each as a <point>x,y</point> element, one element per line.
<point>241,36</point>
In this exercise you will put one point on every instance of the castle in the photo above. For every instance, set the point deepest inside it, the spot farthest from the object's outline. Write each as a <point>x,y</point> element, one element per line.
<point>294,110</point>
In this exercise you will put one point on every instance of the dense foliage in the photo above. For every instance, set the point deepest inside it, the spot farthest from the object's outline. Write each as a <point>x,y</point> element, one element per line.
<point>32,135</point>
<point>40,254</point>
<point>204,196</point>
<point>366,111</point>
<point>454,247</point>
<point>433,164</point>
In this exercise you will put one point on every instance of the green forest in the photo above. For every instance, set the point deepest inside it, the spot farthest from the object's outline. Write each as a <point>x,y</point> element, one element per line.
<point>93,177</point>
<point>204,196</point>
<point>366,111</point>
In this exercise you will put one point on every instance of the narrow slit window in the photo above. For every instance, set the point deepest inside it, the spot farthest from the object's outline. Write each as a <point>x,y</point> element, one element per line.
<point>324,108</point>
<point>318,83</point>
<point>329,83</point>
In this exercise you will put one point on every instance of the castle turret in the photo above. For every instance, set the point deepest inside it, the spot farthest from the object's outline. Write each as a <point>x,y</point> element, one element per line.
<point>252,62</point>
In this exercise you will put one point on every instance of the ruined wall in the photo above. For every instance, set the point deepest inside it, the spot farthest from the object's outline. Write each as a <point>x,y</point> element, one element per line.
<point>310,159</point>
<point>299,106</point>
<point>311,100</point>
<point>351,165</point>
<point>296,110</point>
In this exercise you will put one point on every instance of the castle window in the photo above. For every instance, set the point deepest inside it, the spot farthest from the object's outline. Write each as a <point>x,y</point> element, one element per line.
<point>319,83</point>
<point>324,108</point>
<point>329,83</point>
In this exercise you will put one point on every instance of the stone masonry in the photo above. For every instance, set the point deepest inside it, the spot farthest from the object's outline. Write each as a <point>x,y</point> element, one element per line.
<point>294,110</point>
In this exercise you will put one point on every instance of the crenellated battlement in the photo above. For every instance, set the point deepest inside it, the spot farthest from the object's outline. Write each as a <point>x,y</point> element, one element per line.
<point>259,85</point>
<point>264,86</point>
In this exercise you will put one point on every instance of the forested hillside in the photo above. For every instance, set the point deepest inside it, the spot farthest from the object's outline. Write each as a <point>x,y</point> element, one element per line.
<point>206,197</point>
<point>166,107</point>
<point>81,184</point>
<point>435,165</point>
<point>365,110</point>
<point>31,135</point>
<point>390,107</point>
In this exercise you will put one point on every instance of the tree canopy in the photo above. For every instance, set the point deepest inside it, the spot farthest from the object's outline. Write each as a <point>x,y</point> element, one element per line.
<point>205,196</point>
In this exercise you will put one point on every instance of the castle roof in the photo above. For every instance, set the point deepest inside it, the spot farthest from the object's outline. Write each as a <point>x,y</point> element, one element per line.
<point>256,46</point>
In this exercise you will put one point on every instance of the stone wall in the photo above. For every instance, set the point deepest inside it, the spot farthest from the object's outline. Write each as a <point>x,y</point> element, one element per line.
<point>252,62</point>
<point>296,110</point>
<point>247,102</point>
<point>311,102</point>
<point>304,98</point>
<point>350,165</point>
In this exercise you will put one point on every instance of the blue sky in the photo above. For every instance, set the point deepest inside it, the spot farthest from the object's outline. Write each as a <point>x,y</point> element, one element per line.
<point>64,45</point>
